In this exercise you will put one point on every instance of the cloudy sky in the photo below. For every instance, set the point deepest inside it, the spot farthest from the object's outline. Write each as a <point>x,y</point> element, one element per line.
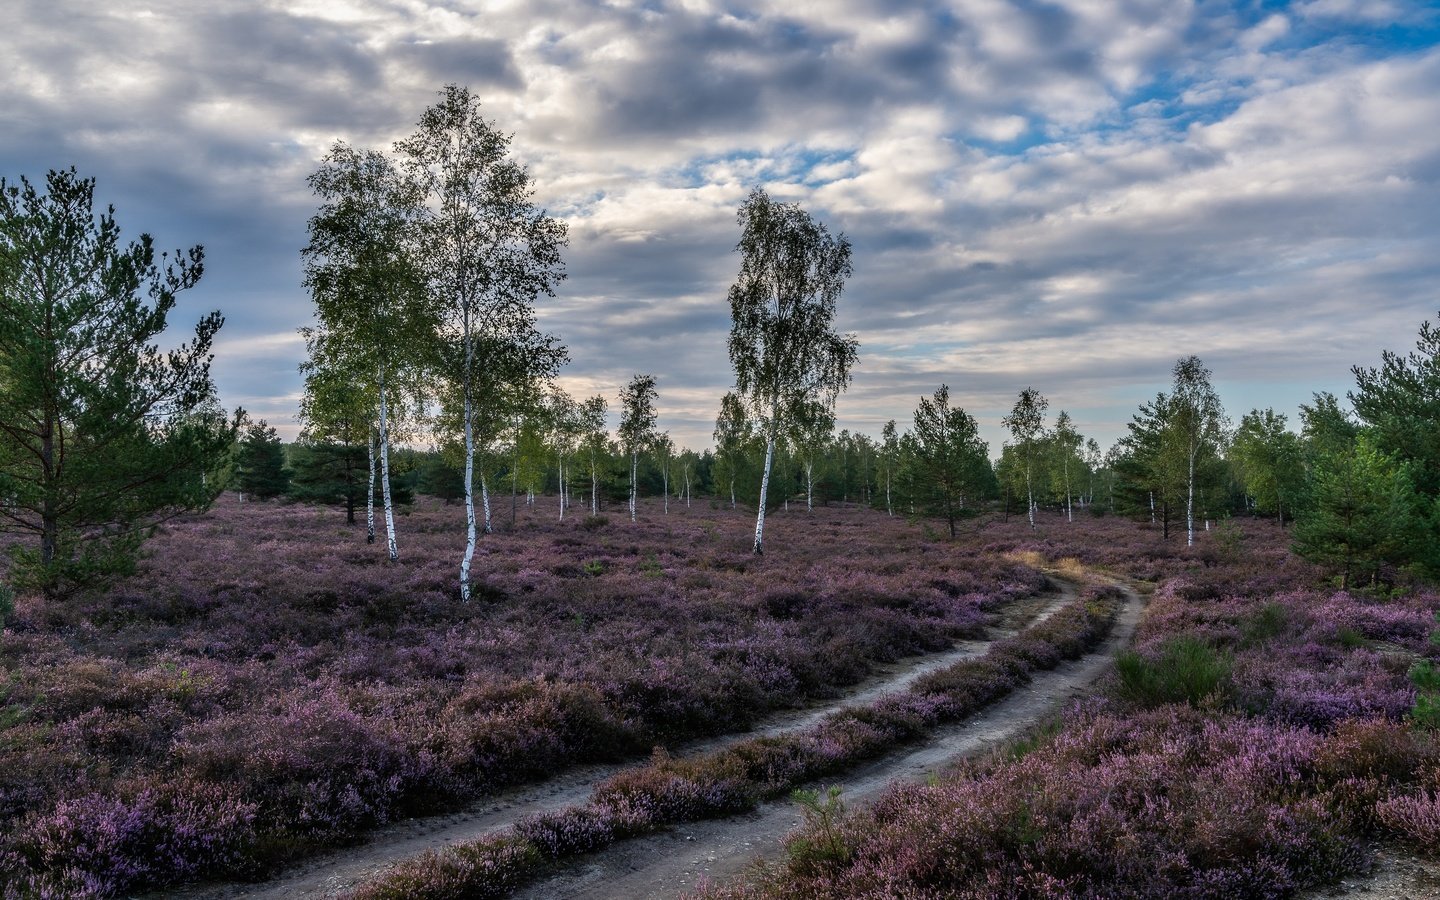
<point>1065,194</point>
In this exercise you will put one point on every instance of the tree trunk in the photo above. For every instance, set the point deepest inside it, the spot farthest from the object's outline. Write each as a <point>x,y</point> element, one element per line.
<point>634,473</point>
<point>889,507</point>
<point>485,503</point>
<point>469,490</point>
<point>665,486</point>
<point>810,487</point>
<point>390,545</point>
<point>1152,507</point>
<point>49,518</point>
<point>1069,510</point>
<point>370,492</point>
<point>560,463</point>
<point>764,492</point>
<point>1190,504</point>
<point>594,488</point>
<point>732,491</point>
<point>1029,497</point>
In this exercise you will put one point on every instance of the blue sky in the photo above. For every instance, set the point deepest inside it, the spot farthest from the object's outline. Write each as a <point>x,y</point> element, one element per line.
<point>1068,194</point>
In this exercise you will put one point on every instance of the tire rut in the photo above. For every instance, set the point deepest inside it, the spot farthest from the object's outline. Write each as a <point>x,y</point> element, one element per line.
<point>337,871</point>
<point>670,863</point>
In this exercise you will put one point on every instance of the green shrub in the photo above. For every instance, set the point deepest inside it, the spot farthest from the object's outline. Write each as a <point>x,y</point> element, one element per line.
<point>820,845</point>
<point>7,603</point>
<point>1187,670</point>
<point>1269,621</point>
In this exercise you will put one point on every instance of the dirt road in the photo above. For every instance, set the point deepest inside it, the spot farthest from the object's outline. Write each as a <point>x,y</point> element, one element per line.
<point>673,862</point>
<point>333,873</point>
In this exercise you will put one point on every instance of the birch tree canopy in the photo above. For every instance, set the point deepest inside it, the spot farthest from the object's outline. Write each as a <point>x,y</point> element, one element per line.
<point>783,345</point>
<point>490,253</point>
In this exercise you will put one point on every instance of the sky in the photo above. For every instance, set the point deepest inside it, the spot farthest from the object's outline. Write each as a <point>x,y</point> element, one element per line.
<point>1067,195</point>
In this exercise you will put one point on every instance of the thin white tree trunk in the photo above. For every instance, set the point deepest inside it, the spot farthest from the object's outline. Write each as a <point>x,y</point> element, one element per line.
<point>810,487</point>
<point>665,486</point>
<point>1190,505</point>
<point>764,491</point>
<point>1029,497</point>
<point>1069,510</point>
<point>889,506</point>
<point>390,545</point>
<point>1152,505</point>
<point>370,494</point>
<point>560,463</point>
<point>469,490</point>
<point>732,491</point>
<point>485,503</point>
<point>634,473</point>
<point>594,488</point>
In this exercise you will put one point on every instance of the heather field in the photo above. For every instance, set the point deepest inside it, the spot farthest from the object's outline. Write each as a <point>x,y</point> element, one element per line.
<point>1256,742</point>
<point>267,685</point>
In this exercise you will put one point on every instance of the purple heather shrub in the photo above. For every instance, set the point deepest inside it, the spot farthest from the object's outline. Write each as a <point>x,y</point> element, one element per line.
<point>1414,817</point>
<point>493,867</point>
<point>267,649</point>
<point>1166,804</point>
<point>96,845</point>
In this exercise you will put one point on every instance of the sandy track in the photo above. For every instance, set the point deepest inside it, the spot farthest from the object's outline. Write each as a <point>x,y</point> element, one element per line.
<point>335,872</point>
<point>673,862</point>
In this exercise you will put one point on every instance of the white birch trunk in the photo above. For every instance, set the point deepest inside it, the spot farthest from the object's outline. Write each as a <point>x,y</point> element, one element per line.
<point>1069,510</point>
<point>560,463</point>
<point>594,488</point>
<point>810,487</point>
<point>485,503</point>
<point>1152,504</point>
<point>1029,497</point>
<point>1190,505</point>
<point>634,473</point>
<point>469,493</point>
<point>764,492</point>
<point>889,507</point>
<point>390,545</point>
<point>732,491</point>
<point>665,486</point>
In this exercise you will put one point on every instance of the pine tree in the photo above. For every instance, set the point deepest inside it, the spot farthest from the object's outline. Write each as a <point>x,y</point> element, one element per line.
<point>260,463</point>
<point>102,434</point>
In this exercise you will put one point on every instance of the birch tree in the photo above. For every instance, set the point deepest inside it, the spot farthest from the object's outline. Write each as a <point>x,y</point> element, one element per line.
<point>1198,424</point>
<point>1066,442</point>
<point>637,427</point>
<point>1092,460</point>
<point>1026,423</point>
<point>491,253</point>
<point>810,434</point>
<point>889,458</point>
<point>733,437</point>
<point>361,273</point>
<point>782,306</point>
<point>596,444</point>
<point>565,434</point>
<point>102,434</point>
<point>687,461</point>
<point>662,447</point>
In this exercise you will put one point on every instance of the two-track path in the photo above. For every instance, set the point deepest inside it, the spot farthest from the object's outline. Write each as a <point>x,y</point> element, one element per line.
<point>673,862</point>
<point>668,863</point>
